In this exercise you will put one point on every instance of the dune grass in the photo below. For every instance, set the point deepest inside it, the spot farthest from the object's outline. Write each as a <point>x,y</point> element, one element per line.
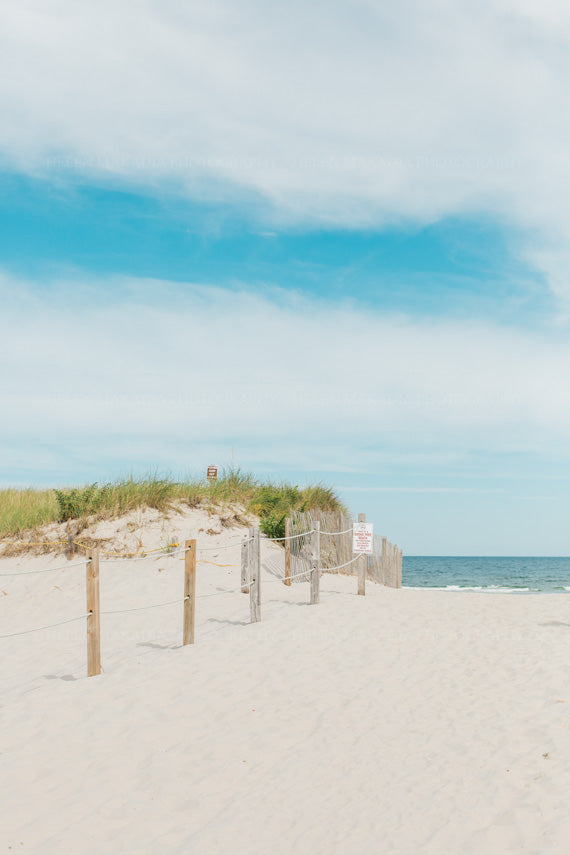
<point>25,510</point>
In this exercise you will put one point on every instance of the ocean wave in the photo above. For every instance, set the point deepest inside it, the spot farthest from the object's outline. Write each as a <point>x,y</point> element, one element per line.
<point>495,589</point>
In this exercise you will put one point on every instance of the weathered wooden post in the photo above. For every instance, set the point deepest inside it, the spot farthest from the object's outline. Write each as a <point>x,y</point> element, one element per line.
<point>316,562</point>
<point>93,619</point>
<point>385,561</point>
<point>257,544</point>
<point>245,559</point>
<point>287,580</point>
<point>254,580</point>
<point>396,565</point>
<point>399,565</point>
<point>361,565</point>
<point>189,625</point>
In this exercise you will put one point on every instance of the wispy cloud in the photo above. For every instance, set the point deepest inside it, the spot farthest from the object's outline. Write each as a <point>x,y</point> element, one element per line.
<point>358,114</point>
<point>134,370</point>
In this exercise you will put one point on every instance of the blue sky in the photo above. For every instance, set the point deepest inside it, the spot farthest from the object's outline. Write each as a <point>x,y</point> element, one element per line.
<point>302,244</point>
<point>454,266</point>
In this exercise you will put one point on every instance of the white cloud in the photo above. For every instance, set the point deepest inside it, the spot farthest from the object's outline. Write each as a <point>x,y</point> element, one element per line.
<point>354,113</point>
<point>171,374</point>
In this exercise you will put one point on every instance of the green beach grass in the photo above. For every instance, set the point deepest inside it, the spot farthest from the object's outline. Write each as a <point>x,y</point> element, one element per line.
<point>26,510</point>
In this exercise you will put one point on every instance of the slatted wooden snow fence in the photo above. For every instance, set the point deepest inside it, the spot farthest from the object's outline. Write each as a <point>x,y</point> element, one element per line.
<point>384,566</point>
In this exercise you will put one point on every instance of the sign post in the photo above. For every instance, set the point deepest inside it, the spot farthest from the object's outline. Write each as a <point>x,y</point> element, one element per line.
<point>362,538</point>
<point>212,473</point>
<point>362,544</point>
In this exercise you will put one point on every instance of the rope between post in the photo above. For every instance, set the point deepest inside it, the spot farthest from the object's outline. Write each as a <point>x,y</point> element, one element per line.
<point>44,569</point>
<point>143,553</point>
<point>346,531</point>
<point>340,566</point>
<point>142,608</point>
<point>292,536</point>
<point>48,626</point>
<point>143,557</point>
<point>288,578</point>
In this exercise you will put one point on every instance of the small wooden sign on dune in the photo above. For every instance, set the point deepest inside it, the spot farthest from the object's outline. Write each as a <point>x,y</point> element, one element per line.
<point>212,473</point>
<point>362,538</point>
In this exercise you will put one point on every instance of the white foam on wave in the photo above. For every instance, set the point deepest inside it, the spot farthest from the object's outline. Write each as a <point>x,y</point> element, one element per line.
<point>495,589</point>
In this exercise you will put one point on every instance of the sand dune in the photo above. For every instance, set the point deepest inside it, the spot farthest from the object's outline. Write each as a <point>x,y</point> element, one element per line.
<point>403,722</point>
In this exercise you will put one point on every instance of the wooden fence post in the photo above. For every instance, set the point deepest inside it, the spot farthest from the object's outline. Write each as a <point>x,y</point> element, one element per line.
<point>189,625</point>
<point>395,560</point>
<point>385,561</point>
<point>257,544</point>
<point>287,580</point>
<point>361,565</point>
<point>245,560</point>
<point>400,553</point>
<point>93,621</point>
<point>316,562</point>
<point>254,581</point>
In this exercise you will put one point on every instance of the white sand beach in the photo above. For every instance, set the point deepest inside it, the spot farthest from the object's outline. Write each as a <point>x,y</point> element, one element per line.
<point>404,721</point>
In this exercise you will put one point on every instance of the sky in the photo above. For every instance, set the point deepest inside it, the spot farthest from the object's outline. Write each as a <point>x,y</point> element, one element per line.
<point>323,242</point>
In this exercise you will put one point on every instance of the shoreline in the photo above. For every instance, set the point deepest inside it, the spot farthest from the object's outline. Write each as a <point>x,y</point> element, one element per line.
<point>484,589</point>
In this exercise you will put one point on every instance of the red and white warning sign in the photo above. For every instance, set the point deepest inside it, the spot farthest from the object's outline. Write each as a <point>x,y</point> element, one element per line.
<point>362,538</point>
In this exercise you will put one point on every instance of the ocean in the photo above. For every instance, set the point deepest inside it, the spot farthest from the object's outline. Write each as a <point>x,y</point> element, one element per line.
<point>498,575</point>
